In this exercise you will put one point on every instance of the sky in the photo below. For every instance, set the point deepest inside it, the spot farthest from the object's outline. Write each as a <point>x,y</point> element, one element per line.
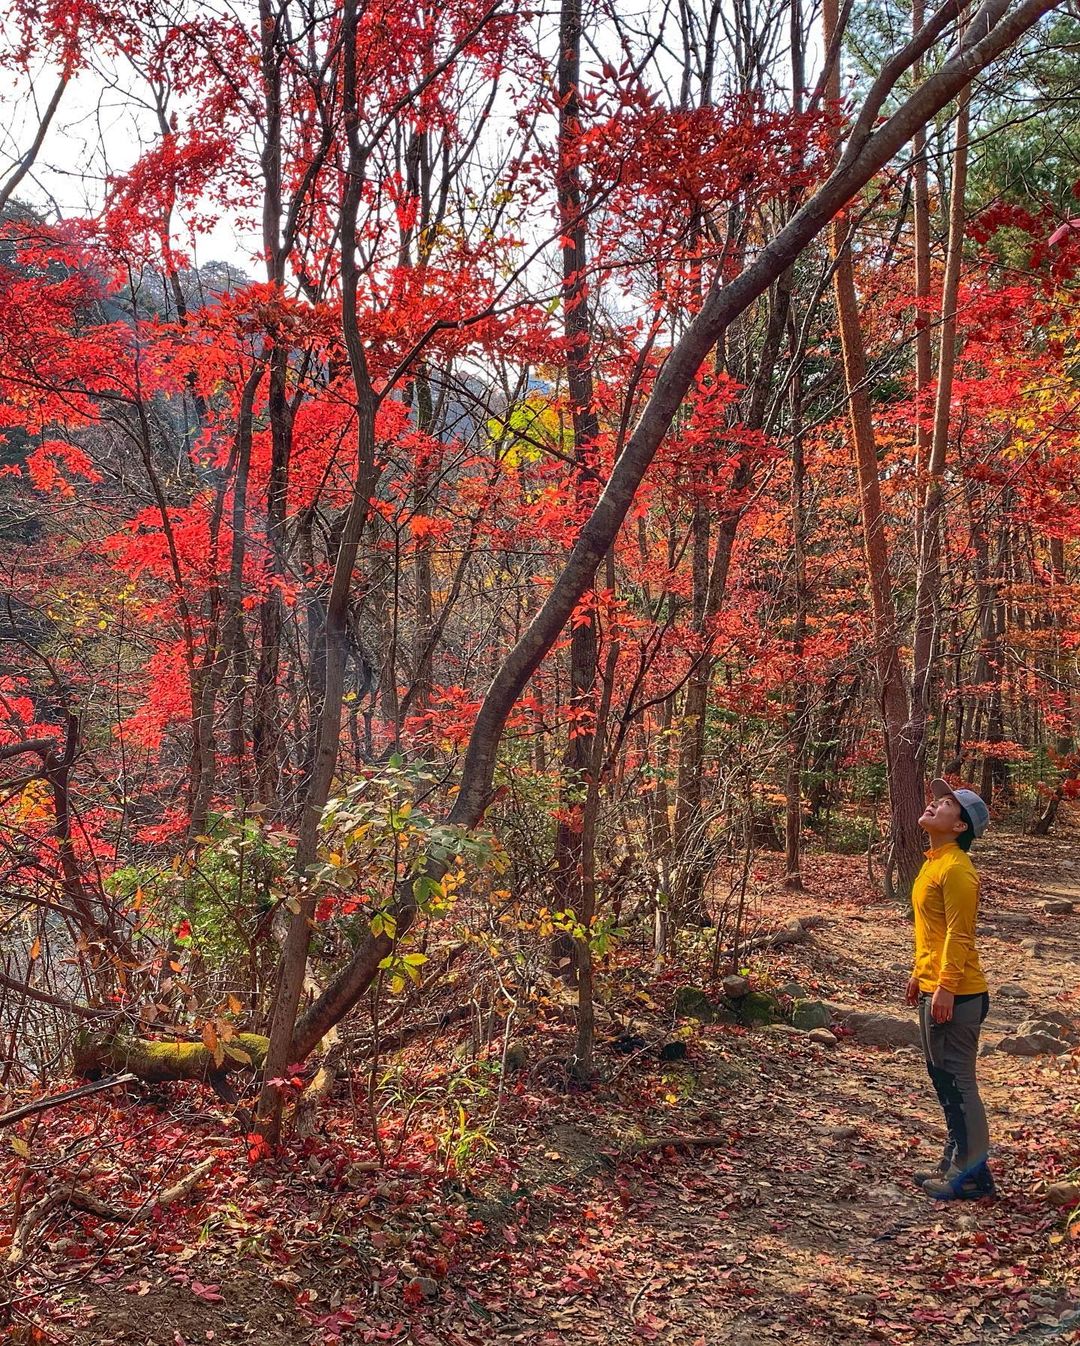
<point>106,121</point>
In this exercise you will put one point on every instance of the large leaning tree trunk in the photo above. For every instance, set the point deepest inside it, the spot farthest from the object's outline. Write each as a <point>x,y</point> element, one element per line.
<point>870,145</point>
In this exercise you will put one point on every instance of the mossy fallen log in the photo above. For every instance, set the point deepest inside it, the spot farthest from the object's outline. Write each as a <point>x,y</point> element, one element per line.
<point>159,1062</point>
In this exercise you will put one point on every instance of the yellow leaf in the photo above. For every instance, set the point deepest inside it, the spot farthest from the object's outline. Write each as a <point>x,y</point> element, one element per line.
<point>20,1147</point>
<point>35,950</point>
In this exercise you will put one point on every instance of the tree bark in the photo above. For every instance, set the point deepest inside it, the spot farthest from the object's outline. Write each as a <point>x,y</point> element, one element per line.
<point>905,782</point>
<point>928,588</point>
<point>266,714</point>
<point>575,835</point>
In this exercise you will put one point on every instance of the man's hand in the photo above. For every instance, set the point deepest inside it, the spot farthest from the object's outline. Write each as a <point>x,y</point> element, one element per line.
<point>911,995</point>
<point>941,1007</point>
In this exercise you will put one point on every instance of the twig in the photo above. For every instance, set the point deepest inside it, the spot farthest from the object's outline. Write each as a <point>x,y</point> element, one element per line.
<point>43,1208</point>
<point>54,1100</point>
<point>184,1187</point>
<point>81,1199</point>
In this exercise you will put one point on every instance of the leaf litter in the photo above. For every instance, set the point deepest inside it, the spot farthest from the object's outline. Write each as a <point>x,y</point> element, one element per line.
<point>797,1221</point>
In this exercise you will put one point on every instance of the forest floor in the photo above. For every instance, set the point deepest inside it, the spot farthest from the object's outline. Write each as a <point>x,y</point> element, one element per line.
<point>793,1219</point>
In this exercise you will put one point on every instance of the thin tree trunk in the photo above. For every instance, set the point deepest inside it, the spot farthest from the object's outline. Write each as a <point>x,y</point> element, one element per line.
<point>905,783</point>
<point>571,862</point>
<point>928,588</point>
<point>266,715</point>
<point>281,1050</point>
<point>799,706</point>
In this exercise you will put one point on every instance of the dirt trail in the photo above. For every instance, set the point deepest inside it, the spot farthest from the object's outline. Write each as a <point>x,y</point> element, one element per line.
<point>797,1223</point>
<point>806,1226</point>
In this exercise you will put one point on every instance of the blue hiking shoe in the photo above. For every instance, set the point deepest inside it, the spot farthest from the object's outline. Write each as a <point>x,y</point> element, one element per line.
<point>957,1186</point>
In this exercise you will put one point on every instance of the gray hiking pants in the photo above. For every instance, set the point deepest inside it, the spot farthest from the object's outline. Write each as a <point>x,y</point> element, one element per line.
<point>951,1050</point>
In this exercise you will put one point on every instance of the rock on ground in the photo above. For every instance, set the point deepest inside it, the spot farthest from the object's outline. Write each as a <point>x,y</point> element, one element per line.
<point>882,1030</point>
<point>1057,906</point>
<point>1033,1044</point>
<point>810,1014</point>
<point>1063,1193</point>
<point>758,1008</point>
<point>1051,1023</point>
<point>692,1002</point>
<point>823,1036</point>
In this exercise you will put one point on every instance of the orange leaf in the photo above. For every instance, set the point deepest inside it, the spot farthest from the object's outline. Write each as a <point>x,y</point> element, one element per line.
<point>212,1045</point>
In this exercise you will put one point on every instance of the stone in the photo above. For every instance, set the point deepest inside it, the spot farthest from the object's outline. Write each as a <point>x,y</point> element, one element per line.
<point>882,1030</point>
<point>795,989</point>
<point>839,1132</point>
<point>900,967</point>
<point>1033,1044</point>
<point>425,1286</point>
<point>1034,948</point>
<point>1011,991</point>
<point>1063,1193</point>
<point>823,1036</point>
<point>516,1058</point>
<point>1051,1024</point>
<point>758,1008</point>
<point>808,1014</point>
<point>691,1002</point>
<point>735,987</point>
<point>1058,906</point>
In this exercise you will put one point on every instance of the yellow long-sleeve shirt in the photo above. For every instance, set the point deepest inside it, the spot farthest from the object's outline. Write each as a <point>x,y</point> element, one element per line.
<point>946,902</point>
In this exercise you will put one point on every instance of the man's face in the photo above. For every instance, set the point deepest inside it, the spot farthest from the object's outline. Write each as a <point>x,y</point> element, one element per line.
<point>942,816</point>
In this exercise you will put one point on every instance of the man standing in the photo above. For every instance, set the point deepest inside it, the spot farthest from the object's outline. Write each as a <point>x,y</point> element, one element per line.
<point>949,988</point>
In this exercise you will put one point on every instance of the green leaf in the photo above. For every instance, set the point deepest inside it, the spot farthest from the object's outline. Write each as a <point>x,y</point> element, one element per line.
<point>425,888</point>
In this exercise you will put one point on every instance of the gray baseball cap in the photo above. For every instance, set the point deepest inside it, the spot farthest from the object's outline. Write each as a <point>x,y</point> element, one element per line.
<point>977,812</point>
